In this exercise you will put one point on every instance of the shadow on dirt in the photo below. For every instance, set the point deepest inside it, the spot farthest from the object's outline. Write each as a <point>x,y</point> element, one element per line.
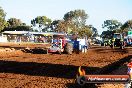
<point>106,50</point>
<point>105,70</point>
<point>45,69</point>
<point>57,70</point>
<point>35,51</point>
<point>42,69</point>
<point>75,85</point>
<point>111,67</point>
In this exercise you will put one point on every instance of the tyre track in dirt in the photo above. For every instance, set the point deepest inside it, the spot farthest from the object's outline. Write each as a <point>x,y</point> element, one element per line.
<point>117,68</point>
<point>61,69</point>
<point>109,69</point>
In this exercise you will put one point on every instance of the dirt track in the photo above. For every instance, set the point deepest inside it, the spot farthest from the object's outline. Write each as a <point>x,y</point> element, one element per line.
<point>29,70</point>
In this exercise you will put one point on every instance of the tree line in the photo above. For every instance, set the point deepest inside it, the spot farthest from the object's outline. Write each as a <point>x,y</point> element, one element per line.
<point>73,22</point>
<point>114,26</point>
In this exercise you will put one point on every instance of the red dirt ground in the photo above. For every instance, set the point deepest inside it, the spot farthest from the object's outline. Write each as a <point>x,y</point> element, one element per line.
<point>19,69</point>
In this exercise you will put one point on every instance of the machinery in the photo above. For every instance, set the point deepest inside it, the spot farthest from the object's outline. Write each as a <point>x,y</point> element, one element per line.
<point>59,46</point>
<point>62,44</point>
<point>118,40</point>
<point>106,42</point>
<point>129,38</point>
<point>81,45</point>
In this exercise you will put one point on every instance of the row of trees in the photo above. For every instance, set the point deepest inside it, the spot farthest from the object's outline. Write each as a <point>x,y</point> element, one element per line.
<point>11,24</point>
<point>114,26</point>
<point>73,22</point>
<point>15,24</point>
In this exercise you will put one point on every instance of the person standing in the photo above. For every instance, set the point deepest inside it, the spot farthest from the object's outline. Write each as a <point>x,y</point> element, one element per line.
<point>129,72</point>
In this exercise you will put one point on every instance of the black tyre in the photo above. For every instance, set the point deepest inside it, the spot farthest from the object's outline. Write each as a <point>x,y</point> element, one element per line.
<point>122,46</point>
<point>59,52</point>
<point>68,48</point>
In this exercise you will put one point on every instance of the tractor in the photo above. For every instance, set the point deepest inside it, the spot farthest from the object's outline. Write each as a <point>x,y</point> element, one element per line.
<point>60,44</point>
<point>117,41</point>
<point>106,42</point>
<point>63,44</point>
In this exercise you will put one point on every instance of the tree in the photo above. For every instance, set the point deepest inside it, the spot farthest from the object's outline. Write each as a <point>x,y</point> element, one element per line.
<point>14,22</point>
<point>126,26</point>
<point>107,34</point>
<point>76,23</point>
<point>94,31</point>
<point>42,21</point>
<point>54,25</point>
<point>3,22</point>
<point>18,28</point>
<point>85,32</point>
<point>57,25</point>
<point>61,26</point>
<point>112,25</point>
<point>76,17</point>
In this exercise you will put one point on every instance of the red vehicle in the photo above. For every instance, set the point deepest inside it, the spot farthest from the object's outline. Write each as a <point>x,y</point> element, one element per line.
<point>59,44</point>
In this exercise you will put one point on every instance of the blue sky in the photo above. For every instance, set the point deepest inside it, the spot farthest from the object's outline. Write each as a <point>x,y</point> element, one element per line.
<point>98,10</point>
